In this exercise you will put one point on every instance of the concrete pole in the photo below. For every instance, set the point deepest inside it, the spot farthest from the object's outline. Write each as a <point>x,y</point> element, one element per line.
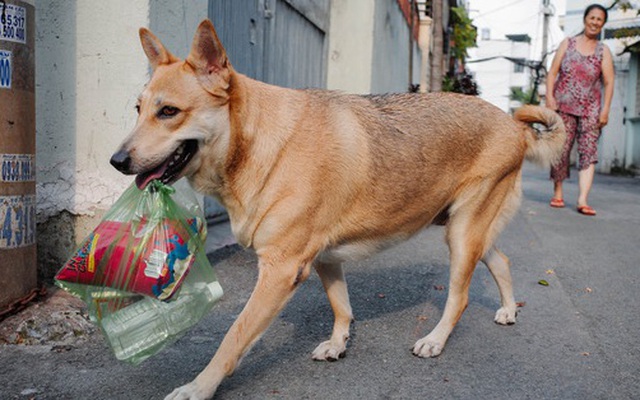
<point>411,26</point>
<point>424,41</point>
<point>546,10</point>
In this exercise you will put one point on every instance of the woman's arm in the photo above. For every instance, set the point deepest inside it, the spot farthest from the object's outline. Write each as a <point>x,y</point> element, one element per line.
<point>608,77</point>
<point>552,75</point>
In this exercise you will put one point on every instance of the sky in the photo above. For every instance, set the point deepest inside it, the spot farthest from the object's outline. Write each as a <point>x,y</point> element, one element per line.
<point>506,17</point>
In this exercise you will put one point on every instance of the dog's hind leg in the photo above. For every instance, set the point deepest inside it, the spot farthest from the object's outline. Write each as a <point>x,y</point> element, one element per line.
<point>498,265</point>
<point>465,246</point>
<point>335,285</point>
<point>496,261</point>
<point>471,231</point>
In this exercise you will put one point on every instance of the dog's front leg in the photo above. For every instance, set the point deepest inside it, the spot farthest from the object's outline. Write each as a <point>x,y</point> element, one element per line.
<point>276,284</point>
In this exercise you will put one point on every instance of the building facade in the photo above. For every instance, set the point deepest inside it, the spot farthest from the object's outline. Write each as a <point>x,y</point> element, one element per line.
<point>90,68</point>
<point>498,65</point>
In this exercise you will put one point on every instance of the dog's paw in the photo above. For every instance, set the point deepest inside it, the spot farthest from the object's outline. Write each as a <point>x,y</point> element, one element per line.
<point>505,316</point>
<point>190,391</point>
<point>427,347</point>
<point>329,351</point>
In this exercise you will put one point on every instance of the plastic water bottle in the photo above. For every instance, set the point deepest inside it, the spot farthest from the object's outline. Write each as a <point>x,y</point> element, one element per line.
<point>143,328</point>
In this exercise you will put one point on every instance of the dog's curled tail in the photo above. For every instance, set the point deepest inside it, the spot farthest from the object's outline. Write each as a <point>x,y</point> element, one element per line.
<point>544,146</point>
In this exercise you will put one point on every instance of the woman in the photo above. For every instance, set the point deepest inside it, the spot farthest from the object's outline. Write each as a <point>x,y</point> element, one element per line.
<point>580,68</point>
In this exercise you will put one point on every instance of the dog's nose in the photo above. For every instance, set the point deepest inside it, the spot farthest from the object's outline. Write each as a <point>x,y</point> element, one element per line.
<point>121,161</point>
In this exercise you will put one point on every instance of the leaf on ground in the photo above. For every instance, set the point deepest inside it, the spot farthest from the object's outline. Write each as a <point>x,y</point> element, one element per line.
<point>438,287</point>
<point>521,304</point>
<point>543,282</point>
<point>550,272</point>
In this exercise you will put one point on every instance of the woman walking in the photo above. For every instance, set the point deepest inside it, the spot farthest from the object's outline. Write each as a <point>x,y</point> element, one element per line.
<point>580,69</point>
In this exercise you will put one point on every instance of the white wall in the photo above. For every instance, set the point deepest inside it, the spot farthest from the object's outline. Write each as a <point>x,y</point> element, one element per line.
<point>349,66</point>
<point>90,68</point>
<point>495,77</point>
<point>369,48</point>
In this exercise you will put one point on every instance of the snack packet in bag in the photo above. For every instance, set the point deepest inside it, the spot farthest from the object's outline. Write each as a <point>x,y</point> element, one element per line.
<point>143,271</point>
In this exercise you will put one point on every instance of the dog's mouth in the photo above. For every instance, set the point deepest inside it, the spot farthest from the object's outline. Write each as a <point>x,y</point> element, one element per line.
<point>169,170</point>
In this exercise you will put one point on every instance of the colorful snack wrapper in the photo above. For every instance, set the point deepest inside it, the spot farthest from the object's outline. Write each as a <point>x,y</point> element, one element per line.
<point>136,258</point>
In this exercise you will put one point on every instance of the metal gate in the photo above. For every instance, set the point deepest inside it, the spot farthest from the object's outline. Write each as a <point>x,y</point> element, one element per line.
<point>282,42</point>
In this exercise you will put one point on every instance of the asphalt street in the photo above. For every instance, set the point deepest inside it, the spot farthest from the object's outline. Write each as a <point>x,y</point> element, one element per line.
<point>576,338</point>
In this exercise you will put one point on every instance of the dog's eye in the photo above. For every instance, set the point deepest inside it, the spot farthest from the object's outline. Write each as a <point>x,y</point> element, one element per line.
<point>138,108</point>
<point>168,112</point>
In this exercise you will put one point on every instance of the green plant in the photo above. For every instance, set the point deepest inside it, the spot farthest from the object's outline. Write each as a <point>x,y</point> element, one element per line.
<point>524,97</point>
<point>464,33</point>
<point>460,83</point>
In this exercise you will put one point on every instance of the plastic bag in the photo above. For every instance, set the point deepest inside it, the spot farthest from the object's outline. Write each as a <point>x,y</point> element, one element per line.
<point>143,271</point>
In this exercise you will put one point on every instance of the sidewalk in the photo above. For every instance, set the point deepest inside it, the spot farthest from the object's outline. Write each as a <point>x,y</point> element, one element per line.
<point>575,339</point>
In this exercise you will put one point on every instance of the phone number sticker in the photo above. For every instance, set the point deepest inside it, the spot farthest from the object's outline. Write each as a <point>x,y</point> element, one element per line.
<point>17,221</point>
<point>17,168</point>
<point>5,69</point>
<point>13,23</point>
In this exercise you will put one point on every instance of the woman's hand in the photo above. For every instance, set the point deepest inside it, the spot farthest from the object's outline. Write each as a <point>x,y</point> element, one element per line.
<point>603,120</point>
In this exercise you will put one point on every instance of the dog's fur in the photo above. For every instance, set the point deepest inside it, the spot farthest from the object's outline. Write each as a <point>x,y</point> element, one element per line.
<point>311,178</point>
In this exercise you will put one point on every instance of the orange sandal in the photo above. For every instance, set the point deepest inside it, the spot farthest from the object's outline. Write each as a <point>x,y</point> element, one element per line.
<point>556,203</point>
<point>586,210</point>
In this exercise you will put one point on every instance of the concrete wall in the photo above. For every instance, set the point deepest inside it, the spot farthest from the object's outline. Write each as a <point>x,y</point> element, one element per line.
<point>390,50</point>
<point>89,70</point>
<point>349,66</point>
<point>632,156</point>
<point>369,48</point>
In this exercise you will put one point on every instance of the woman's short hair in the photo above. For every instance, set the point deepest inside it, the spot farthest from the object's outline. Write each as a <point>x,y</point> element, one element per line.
<point>597,6</point>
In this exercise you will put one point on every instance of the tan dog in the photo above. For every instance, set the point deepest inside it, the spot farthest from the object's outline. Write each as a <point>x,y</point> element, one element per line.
<point>311,178</point>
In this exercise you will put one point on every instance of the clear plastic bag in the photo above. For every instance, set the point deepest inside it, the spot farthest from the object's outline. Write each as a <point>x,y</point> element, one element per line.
<point>143,271</point>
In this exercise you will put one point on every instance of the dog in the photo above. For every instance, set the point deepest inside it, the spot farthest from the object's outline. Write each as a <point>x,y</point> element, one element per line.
<point>312,178</point>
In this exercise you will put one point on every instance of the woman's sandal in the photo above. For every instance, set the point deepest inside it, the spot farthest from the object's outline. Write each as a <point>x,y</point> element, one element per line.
<point>556,203</point>
<point>586,210</point>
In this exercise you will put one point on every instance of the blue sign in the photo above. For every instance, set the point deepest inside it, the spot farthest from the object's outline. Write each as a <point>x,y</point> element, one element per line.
<point>5,69</point>
<point>17,168</point>
<point>17,221</point>
<point>14,24</point>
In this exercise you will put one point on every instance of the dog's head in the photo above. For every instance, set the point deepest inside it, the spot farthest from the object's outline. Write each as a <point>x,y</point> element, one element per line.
<point>183,108</point>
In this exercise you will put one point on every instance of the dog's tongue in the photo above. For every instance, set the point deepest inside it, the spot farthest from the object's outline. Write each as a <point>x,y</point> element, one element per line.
<point>142,180</point>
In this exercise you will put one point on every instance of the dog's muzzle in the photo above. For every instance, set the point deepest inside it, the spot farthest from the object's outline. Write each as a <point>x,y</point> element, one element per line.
<point>121,161</point>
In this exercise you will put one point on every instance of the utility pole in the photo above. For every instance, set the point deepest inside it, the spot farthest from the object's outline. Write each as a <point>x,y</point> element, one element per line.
<point>438,47</point>
<point>547,13</point>
<point>411,27</point>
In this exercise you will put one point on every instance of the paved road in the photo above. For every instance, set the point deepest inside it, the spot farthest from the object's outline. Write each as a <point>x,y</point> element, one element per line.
<point>575,339</point>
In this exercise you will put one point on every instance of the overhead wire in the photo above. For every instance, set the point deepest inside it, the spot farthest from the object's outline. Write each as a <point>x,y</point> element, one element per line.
<point>498,9</point>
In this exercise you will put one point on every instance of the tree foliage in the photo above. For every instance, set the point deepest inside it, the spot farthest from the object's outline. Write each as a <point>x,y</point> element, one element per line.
<point>460,83</point>
<point>464,33</point>
<point>524,97</point>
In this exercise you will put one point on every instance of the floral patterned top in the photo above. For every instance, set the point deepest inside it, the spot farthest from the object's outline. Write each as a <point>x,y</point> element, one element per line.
<point>578,87</point>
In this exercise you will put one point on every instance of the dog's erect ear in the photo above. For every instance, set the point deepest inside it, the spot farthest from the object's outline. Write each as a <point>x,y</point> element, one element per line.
<point>155,51</point>
<point>209,59</point>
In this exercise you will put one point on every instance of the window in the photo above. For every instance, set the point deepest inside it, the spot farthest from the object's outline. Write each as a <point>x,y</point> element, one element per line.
<point>518,65</point>
<point>485,34</point>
